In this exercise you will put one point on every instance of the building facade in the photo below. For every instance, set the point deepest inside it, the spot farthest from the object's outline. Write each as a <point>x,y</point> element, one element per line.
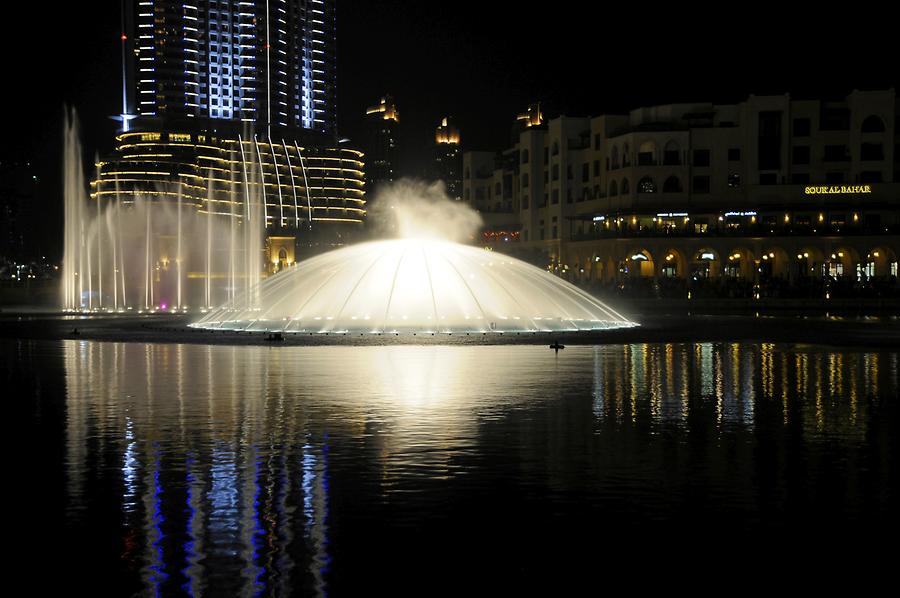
<point>223,99</point>
<point>268,63</point>
<point>447,160</point>
<point>769,192</point>
<point>382,121</point>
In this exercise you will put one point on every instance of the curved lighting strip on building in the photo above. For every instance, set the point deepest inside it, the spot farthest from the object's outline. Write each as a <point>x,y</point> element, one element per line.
<point>152,164</point>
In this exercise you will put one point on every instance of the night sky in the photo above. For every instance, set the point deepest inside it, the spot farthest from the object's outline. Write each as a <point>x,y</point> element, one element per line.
<point>481,62</point>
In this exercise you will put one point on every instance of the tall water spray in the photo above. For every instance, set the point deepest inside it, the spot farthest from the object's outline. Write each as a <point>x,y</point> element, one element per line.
<point>161,249</point>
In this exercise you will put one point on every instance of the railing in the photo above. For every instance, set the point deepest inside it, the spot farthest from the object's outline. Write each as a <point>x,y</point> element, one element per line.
<point>629,232</point>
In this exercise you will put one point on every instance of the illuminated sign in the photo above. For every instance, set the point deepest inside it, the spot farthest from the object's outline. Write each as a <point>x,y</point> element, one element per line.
<point>729,214</point>
<point>838,190</point>
<point>671,214</point>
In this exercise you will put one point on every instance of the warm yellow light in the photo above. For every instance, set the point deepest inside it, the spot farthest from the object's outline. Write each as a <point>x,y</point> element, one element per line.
<point>787,218</point>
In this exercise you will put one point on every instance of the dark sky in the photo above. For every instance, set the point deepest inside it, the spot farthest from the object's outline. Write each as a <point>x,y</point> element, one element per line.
<point>482,62</point>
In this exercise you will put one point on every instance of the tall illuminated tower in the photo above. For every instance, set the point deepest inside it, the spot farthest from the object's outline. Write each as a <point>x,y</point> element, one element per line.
<point>211,62</point>
<point>382,120</point>
<point>448,157</point>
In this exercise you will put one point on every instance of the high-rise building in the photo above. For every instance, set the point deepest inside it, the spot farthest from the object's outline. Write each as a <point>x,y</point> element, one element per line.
<point>269,63</point>
<point>381,143</point>
<point>216,92</point>
<point>448,157</point>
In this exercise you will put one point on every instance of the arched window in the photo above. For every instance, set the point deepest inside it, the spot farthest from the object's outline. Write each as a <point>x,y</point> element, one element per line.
<point>615,157</point>
<point>613,189</point>
<point>625,189</point>
<point>873,124</point>
<point>282,254</point>
<point>647,153</point>
<point>626,158</point>
<point>672,154</point>
<point>672,185</point>
<point>646,185</point>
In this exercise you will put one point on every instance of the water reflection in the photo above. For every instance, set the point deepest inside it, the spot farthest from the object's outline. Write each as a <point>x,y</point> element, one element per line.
<point>240,470</point>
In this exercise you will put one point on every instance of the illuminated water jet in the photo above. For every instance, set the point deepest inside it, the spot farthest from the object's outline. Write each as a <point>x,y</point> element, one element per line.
<point>416,286</point>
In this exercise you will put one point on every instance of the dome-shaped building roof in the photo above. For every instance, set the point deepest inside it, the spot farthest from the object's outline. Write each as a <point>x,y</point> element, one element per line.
<point>414,285</point>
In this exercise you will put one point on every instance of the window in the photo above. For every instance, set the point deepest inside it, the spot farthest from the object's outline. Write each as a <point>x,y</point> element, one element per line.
<point>800,178</point>
<point>555,172</point>
<point>768,178</point>
<point>734,154</point>
<point>872,124</point>
<point>800,155</point>
<point>525,179</point>
<point>671,154</point>
<point>801,127</point>
<point>613,189</point>
<point>834,178</point>
<point>871,151</point>
<point>870,176</point>
<point>625,188</point>
<point>836,153</point>
<point>555,196</point>
<point>672,185</point>
<point>701,157</point>
<point>585,172</point>
<point>769,140</point>
<point>596,167</point>
<point>555,148</point>
<point>525,156</point>
<point>647,154</point>
<point>598,141</point>
<point>646,185</point>
<point>569,172</point>
<point>525,203</point>
<point>700,184</point>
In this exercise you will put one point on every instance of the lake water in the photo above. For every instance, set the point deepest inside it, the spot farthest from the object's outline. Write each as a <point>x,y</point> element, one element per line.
<point>168,469</point>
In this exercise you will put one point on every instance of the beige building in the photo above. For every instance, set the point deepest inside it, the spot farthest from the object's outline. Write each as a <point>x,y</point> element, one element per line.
<point>770,188</point>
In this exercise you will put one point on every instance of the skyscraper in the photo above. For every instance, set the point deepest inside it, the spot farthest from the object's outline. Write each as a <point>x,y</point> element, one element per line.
<point>216,92</point>
<point>448,157</point>
<point>381,143</point>
<point>270,63</point>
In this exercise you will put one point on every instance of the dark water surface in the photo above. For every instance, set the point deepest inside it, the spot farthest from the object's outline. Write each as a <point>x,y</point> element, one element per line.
<point>168,469</point>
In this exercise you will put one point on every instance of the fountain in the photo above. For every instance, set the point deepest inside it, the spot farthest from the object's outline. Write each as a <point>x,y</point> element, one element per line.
<point>422,282</point>
<point>156,251</point>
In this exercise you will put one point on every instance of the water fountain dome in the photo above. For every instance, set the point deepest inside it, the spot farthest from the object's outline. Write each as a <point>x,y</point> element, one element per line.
<point>415,285</point>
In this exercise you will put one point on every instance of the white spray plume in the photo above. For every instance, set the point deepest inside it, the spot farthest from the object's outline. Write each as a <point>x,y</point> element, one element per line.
<point>412,208</point>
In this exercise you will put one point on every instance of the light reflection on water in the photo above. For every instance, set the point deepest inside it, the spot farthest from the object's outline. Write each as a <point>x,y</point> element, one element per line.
<point>258,470</point>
